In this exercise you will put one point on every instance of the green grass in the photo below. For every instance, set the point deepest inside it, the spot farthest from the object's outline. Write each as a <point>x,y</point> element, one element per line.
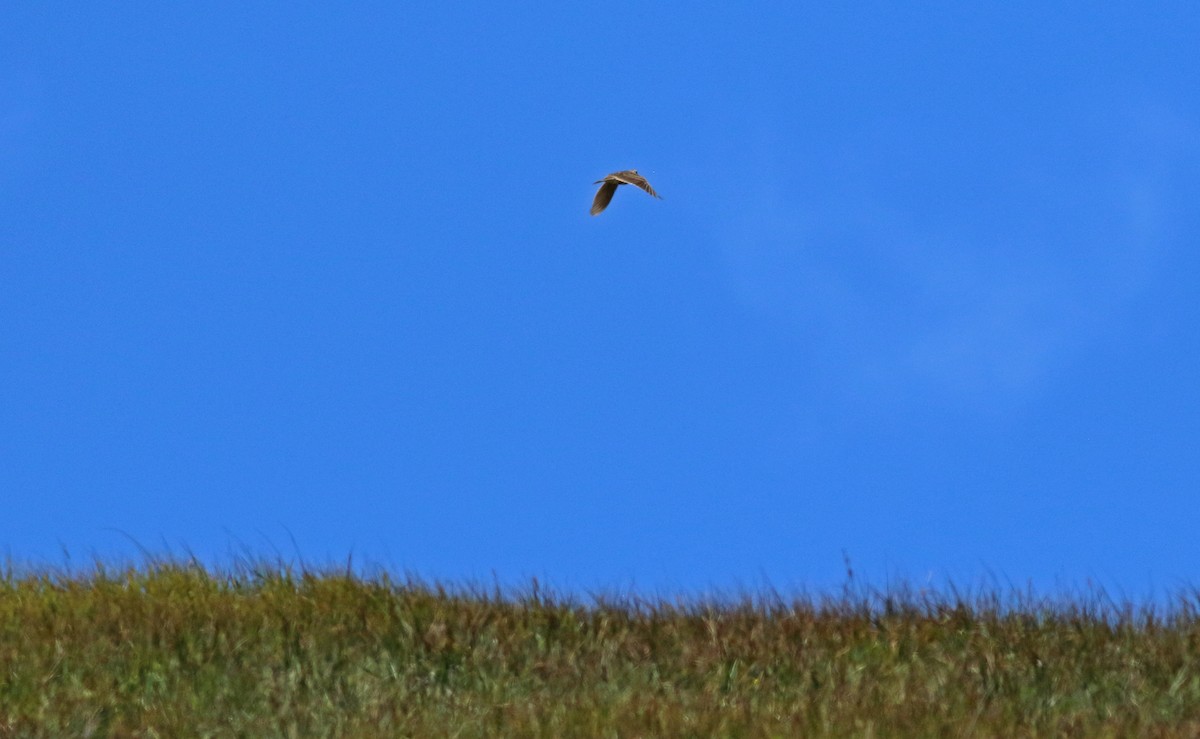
<point>172,649</point>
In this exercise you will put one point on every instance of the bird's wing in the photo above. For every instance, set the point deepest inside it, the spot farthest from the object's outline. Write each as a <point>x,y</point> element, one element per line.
<point>630,177</point>
<point>603,196</point>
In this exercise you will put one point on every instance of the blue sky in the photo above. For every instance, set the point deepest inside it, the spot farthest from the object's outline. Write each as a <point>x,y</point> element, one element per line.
<point>921,289</point>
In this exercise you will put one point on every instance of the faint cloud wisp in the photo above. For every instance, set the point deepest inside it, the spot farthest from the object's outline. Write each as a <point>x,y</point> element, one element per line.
<point>895,307</point>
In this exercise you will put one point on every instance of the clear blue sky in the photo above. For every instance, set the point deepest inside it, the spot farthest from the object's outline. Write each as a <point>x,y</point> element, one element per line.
<point>922,289</point>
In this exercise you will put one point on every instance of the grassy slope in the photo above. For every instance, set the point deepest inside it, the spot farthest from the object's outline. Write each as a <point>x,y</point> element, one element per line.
<point>181,651</point>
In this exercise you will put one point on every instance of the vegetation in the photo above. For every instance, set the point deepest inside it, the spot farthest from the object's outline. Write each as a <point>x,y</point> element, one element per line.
<point>173,649</point>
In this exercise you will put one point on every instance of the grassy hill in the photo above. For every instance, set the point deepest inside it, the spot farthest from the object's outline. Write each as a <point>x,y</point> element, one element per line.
<point>172,649</point>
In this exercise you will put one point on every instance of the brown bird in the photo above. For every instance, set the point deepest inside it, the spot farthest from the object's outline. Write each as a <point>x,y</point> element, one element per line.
<point>612,181</point>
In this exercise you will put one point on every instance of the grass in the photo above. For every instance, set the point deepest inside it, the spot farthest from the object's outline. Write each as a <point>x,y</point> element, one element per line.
<point>172,649</point>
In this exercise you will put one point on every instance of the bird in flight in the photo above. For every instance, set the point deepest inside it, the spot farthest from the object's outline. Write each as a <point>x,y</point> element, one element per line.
<point>614,180</point>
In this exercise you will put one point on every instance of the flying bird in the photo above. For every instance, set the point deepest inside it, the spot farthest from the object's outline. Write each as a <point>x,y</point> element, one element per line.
<point>614,180</point>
